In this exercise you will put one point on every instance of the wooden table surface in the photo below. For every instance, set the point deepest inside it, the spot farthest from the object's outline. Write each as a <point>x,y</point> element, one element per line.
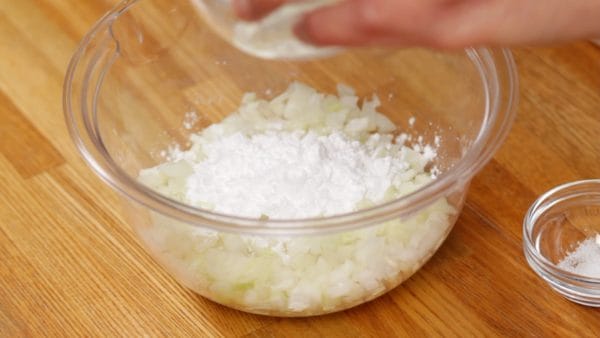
<point>70,265</point>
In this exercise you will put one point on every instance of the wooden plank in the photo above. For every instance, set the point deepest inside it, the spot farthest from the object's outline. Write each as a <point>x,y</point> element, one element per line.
<point>22,144</point>
<point>72,266</point>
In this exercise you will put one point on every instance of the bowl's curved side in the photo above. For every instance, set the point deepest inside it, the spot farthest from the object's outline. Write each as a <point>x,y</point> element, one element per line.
<point>298,276</point>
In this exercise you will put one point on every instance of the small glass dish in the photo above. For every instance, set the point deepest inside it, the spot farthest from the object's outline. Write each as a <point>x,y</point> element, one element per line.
<point>554,227</point>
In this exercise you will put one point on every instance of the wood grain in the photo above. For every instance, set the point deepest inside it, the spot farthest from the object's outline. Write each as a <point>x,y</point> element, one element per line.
<point>71,266</point>
<point>22,144</point>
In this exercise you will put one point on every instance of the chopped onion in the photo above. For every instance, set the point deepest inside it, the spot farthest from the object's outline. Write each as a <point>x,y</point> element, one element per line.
<point>303,275</point>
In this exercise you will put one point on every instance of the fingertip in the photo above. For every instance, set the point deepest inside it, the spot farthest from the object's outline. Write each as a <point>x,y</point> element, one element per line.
<point>242,9</point>
<point>301,30</point>
<point>254,9</point>
<point>332,25</point>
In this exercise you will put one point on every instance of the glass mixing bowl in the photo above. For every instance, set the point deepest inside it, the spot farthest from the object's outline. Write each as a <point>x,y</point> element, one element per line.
<point>152,72</point>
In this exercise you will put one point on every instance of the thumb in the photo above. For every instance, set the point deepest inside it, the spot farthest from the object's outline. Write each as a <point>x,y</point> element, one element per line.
<point>369,22</point>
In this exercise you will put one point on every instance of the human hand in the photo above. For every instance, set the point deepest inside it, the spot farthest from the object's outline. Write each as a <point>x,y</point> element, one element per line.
<point>439,23</point>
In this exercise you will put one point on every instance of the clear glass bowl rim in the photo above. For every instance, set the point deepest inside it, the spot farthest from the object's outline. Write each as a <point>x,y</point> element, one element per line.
<point>500,115</point>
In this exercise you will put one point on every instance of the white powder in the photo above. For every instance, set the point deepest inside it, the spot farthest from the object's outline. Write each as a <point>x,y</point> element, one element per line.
<point>411,121</point>
<point>302,154</point>
<point>585,260</point>
<point>294,174</point>
<point>190,119</point>
<point>273,37</point>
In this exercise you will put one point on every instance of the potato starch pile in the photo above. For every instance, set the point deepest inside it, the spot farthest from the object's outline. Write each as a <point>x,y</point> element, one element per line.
<point>292,174</point>
<point>303,154</point>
